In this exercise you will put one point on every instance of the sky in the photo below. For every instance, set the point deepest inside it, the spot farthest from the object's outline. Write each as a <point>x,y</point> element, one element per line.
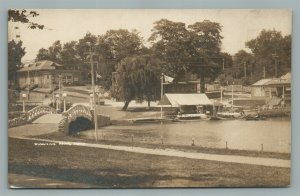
<point>239,25</point>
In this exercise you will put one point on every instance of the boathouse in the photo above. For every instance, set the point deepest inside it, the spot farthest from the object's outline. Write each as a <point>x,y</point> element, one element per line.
<point>187,103</point>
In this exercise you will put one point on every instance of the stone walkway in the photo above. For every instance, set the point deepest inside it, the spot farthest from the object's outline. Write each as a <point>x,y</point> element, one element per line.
<point>48,119</point>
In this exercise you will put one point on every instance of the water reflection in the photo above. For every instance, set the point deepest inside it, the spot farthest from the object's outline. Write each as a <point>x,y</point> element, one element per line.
<point>275,135</point>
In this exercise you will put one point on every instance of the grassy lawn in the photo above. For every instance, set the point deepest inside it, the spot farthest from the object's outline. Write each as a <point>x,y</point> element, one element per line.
<point>108,168</point>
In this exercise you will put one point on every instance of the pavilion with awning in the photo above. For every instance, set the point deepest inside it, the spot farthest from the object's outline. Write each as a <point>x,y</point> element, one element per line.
<point>186,102</point>
<point>177,100</point>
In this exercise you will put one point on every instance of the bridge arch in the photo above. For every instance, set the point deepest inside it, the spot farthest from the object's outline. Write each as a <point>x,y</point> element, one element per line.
<point>75,119</point>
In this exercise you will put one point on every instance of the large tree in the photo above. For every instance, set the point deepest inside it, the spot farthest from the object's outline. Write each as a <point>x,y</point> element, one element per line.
<point>69,55</point>
<point>138,78</point>
<point>89,41</point>
<point>206,42</point>
<point>172,44</point>
<point>271,51</point>
<point>114,46</point>
<point>15,53</point>
<point>53,53</point>
<point>195,49</point>
<point>43,54</point>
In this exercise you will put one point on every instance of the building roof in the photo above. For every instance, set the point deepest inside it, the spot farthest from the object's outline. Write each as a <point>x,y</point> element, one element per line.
<point>184,99</point>
<point>40,65</point>
<point>278,82</point>
<point>284,80</point>
<point>287,76</point>
<point>261,82</point>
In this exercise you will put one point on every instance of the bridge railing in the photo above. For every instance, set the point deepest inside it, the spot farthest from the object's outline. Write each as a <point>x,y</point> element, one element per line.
<point>78,110</point>
<point>39,111</point>
<point>31,115</point>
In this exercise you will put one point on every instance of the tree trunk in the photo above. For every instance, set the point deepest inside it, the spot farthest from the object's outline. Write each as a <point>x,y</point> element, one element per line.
<point>202,83</point>
<point>148,104</point>
<point>125,105</point>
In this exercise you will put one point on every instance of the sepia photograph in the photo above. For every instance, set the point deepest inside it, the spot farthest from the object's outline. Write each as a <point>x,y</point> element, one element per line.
<point>149,98</point>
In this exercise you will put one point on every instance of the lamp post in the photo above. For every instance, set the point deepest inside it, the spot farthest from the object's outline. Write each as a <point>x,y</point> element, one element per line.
<point>93,89</point>
<point>23,99</point>
<point>64,97</point>
<point>57,99</point>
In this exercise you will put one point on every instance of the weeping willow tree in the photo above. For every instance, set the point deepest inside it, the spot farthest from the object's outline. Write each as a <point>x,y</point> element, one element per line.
<point>138,78</point>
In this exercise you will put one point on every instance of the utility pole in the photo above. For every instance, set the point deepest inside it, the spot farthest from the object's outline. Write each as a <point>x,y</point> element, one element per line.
<point>245,69</point>
<point>161,94</point>
<point>232,95</point>
<point>264,72</point>
<point>93,89</point>
<point>223,63</point>
<point>275,56</point>
<point>276,68</point>
<point>221,94</point>
<point>28,84</point>
<point>59,91</point>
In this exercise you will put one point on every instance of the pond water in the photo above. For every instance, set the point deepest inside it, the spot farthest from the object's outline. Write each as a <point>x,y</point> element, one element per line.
<point>275,134</point>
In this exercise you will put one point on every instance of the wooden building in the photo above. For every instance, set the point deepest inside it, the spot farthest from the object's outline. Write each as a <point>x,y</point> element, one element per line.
<point>46,74</point>
<point>274,90</point>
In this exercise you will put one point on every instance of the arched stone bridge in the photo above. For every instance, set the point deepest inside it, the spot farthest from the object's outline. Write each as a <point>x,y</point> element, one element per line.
<point>76,118</point>
<point>79,118</point>
<point>78,112</point>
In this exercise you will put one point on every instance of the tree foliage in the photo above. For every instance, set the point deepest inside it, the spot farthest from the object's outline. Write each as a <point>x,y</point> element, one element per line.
<point>269,48</point>
<point>195,49</point>
<point>53,53</point>
<point>138,78</point>
<point>114,46</point>
<point>69,55</point>
<point>108,50</point>
<point>15,53</point>
<point>83,47</point>
<point>171,41</point>
<point>243,59</point>
<point>15,49</point>
<point>23,17</point>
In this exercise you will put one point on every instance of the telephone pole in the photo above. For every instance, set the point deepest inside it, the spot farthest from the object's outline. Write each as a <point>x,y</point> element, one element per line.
<point>275,56</point>
<point>93,89</point>
<point>245,69</point>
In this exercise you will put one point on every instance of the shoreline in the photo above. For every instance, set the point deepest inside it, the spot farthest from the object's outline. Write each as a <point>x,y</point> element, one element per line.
<point>185,148</point>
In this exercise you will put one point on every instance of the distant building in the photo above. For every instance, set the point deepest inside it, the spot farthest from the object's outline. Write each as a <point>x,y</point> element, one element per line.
<point>273,90</point>
<point>258,89</point>
<point>189,83</point>
<point>46,74</point>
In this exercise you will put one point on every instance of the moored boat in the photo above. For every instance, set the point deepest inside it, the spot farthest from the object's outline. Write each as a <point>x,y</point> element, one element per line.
<point>191,116</point>
<point>256,117</point>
